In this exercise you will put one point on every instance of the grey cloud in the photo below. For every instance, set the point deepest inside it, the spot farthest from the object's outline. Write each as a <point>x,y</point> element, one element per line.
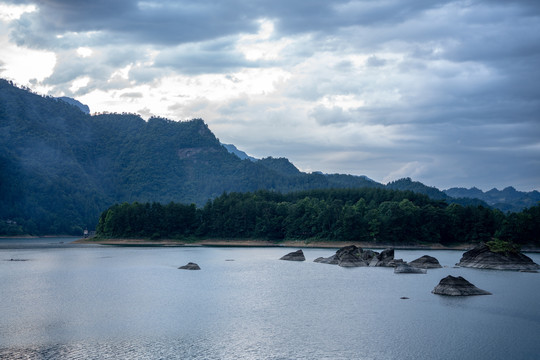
<point>177,22</point>
<point>213,57</point>
<point>375,61</point>
<point>132,95</point>
<point>330,116</point>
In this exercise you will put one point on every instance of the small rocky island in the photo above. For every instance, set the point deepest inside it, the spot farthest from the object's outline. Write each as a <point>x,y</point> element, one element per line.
<point>426,262</point>
<point>190,266</point>
<point>497,255</point>
<point>294,256</point>
<point>353,256</point>
<point>457,286</point>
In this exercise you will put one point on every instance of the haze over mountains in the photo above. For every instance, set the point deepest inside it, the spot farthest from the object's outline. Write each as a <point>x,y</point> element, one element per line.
<point>61,167</point>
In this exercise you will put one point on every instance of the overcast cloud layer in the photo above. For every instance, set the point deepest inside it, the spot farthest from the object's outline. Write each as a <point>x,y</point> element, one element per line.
<point>445,92</point>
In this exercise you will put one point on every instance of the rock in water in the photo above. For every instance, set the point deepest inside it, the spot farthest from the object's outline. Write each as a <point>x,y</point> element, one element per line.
<point>294,256</point>
<point>190,266</point>
<point>333,260</point>
<point>481,257</point>
<point>457,286</point>
<point>408,269</point>
<point>426,262</point>
<point>383,259</point>
<point>349,256</point>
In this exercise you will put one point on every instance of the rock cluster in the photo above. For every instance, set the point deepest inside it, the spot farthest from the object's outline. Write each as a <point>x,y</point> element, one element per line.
<point>294,256</point>
<point>481,257</point>
<point>190,266</point>
<point>457,286</point>
<point>353,256</point>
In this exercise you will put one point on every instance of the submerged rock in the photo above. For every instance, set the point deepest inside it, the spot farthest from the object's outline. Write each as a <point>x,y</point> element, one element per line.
<point>481,257</point>
<point>294,256</point>
<point>190,266</point>
<point>426,262</point>
<point>408,269</point>
<point>457,286</point>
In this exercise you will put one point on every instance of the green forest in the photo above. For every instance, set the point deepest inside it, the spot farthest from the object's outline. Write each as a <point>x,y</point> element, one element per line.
<point>368,215</point>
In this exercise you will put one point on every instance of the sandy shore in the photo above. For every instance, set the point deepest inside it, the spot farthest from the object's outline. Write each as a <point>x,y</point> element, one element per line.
<point>264,243</point>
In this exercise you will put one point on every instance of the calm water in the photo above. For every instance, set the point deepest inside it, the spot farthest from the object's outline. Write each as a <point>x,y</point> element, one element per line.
<point>96,302</point>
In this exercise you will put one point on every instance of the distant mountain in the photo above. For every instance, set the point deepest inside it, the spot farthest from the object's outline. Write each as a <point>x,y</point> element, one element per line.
<point>508,199</point>
<point>418,187</point>
<point>84,108</point>
<point>406,184</point>
<point>234,150</point>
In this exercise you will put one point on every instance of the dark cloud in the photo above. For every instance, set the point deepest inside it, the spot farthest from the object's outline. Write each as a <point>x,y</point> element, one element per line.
<point>211,57</point>
<point>178,22</point>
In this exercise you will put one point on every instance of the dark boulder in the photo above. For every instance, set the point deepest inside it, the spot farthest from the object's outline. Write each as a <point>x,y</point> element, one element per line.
<point>190,266</point>
<point>367,255</point>
<point>457,286</point>
<point>383,259</point>
<point>294,256</point>
<point>396,262</point>
<point>426,262</point>
<point>481,257</point>
<point>408,269</point>
<point>350,256</point>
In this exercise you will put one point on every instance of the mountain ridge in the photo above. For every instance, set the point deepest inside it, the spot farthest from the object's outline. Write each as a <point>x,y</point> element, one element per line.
<point>61,167</point>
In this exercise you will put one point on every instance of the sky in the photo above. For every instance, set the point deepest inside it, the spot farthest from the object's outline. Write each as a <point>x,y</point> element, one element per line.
<point>444,92</point>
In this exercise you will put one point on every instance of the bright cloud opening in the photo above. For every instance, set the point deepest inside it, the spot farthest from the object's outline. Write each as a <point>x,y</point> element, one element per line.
<point>14,12</point>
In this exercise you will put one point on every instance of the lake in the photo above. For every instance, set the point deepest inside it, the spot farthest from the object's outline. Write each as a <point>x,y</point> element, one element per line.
<point>65,301</point>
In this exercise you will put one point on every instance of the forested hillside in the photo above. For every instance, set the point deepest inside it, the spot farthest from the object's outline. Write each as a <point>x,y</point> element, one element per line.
<point>60,168</point>
<point>369,215</point>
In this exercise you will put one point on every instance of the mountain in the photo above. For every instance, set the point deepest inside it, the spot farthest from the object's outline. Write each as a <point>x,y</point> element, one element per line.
<point>234,150</point>
<point>61,167</point>
<point>84,108</point>
<point>418,187</point>
<point>406,184</point>
<point>508,199</point>
<point>280,165</point>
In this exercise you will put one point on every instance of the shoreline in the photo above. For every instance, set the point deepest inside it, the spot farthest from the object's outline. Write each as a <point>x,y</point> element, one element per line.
<point>264,243</point>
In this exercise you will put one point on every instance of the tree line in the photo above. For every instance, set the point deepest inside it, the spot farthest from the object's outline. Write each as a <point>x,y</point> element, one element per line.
<point>367,214</point>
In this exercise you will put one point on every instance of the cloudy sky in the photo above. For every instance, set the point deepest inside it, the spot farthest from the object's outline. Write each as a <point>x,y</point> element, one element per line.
<point>445,92</point>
